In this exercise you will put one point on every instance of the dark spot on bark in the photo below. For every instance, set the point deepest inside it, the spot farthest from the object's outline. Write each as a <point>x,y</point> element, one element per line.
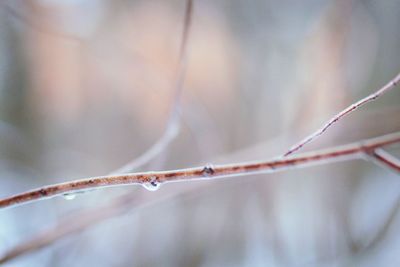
<point>272,166</point>
<point>208,170</point>
<point>43,192</point>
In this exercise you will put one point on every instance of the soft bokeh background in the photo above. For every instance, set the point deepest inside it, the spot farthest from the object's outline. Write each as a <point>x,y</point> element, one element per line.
<point>87,85</point>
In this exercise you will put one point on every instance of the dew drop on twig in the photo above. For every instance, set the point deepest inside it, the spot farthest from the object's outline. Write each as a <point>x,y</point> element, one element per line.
<point>153,185</point>
<point>69,196</point>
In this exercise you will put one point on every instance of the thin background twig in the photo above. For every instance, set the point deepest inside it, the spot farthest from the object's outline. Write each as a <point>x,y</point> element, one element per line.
<point>124,202</point>
<point>386,88</point>
<point>173,123</point>
<point>384,159</point>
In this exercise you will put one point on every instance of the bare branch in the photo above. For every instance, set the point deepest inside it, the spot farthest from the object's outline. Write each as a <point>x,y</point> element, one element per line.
<point>173,123</point>
<point>91,217</point>
<point>149,179</point>
<point>37,25</point>
<point>122,203</point>
<point>161,144</point>
<point>68,226</point>
<point>390,85</point>
<point>384,159</point>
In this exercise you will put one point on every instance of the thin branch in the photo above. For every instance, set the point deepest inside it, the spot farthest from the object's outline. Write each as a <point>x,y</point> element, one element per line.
<point>360,250</point>
<point>37,25</point>
<point>122,203</point>
<point>390,85</point>
<point>339,153</point>
<point>168,136</point>
<point>154,179</point>
<point>69,226</point>
<point>173,123</point>
<point>384,159</point>
<point>91,217</point>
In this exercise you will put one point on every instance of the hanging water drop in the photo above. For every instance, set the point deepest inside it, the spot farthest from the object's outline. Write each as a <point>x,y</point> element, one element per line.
<point>69,196</point>
<point>153,185</point>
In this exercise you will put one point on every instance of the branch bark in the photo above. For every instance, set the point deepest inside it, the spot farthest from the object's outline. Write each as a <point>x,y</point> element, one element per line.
<point>154,179</point>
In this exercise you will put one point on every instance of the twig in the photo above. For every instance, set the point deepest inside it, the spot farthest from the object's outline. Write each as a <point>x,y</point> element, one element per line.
<point>173,123</point>
<point>68,226</point>
<point>154,179</point>
<point>390,85</point>
<point>170,133</point>
<point>38,26</point>
<point>91,217</point>
<point>360,250</point>
<point>125,202</point>
<point>384,159</point>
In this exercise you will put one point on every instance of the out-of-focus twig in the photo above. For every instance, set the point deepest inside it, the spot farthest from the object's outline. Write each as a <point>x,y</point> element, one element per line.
<point>87,218</point>
<point>125,202</point>
<point>154,179</point>
<point>70,225</point>
<point>390,85</point>
<point>384,159</point>
<point>360,250</point>
<point>38,26</point>
<point>173,123</point>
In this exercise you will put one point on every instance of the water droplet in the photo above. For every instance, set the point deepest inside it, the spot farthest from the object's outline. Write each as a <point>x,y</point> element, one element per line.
<point>153,185</point>
<point>69,196</point>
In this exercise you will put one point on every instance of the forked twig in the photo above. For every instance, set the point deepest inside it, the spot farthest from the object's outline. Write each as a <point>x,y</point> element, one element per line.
<point>390,85</point>
<point>154,179</point>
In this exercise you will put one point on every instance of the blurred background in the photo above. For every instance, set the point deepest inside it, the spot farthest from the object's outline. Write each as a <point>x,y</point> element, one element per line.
<point>87,85</point>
